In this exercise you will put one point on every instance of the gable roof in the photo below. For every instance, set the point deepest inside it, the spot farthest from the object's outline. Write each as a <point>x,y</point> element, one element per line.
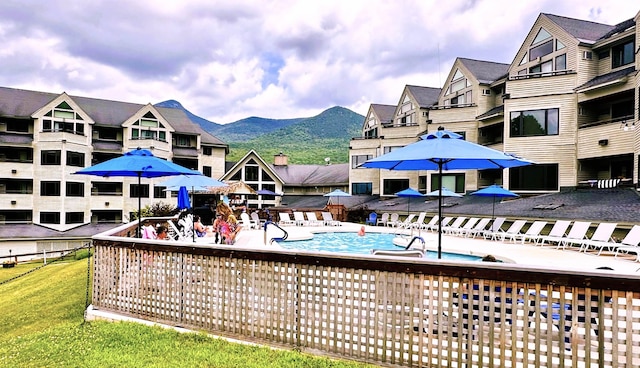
<point>313,175</point>
<point>231,166</point>
<point>21,103</point>
<point>486,72</point>
<point>618,28</point>
<point>384,112</point>
<point>425,96</point>
<point>607,79</point>
<point>582,30</point>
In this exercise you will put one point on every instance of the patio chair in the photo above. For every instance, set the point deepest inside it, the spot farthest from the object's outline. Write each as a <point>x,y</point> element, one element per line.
<point>327,217</point>
<point>299,219</point>
<point>532,232</point>
<point>478,228</point>
<point>406,224</point>
<point>556,234</point>
<point>511,232</point>
<point>256,218</point>
<point>371,220</point>
<point>456,225</point>
<point>576,235</point>
<point>247,222</point>
<point>601,238</point>
<point>383,219</point>
<point>393,220</point>
<point>417,223</point>
<point>630,243</point>
<point>312,219</point>
<point>432,222</point>
<point>494,228</point>
<point>467,227</point>
<point>285,219</point>
<point>445,221</point>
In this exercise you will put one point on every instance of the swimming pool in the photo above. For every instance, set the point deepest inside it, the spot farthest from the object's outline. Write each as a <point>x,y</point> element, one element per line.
<point>347,242</point>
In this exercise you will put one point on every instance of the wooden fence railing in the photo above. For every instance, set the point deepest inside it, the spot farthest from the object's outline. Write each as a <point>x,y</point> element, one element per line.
<point>394,312</point>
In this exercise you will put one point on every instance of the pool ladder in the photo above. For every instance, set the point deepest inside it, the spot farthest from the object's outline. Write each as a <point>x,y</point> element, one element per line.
<point>424,244</point>
<point>284,236</point>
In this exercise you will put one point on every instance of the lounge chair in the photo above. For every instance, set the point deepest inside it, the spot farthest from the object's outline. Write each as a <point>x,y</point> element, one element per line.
<point>576,235</point>
<point>327,217</point>
<point>512,232</point>
<point>371,220</point>
<point>299,219</point>
<point>445,221</point>
<point>494,228</point>
<point>477,229</point>
<point>455,226</point>
<point>601,238</point>
<point>431,222</point>
<point>630,243</point>
<point>532,232</point>
<point>558,231</point>
<point>406,224</point>
<point>417,223</point>
<point>383,219</point>
<point>312,219</point>
<point>467,227</point>
<point>247,222</point>
<point>393,220</point>
<point>285,219</point>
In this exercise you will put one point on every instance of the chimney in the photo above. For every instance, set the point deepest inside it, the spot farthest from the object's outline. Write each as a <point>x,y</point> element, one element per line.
<point>280,159</point>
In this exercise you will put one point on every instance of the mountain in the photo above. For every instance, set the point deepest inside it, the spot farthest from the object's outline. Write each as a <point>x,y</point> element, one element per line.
<point>304,140</point>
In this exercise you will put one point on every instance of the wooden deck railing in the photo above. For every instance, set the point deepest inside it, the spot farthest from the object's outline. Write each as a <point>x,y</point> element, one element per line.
<point>395,312</point>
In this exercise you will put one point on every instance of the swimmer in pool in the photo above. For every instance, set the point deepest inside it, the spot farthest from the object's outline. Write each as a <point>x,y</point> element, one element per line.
<point>361,232</point>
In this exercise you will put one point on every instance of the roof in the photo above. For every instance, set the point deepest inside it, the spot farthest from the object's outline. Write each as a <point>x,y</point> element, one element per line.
<point>486,72</point>
<point>33,231</point>
<point>425,96</point>
<point>312,175</point>
<point>23,104</point>
<point>581,29</point>
<point>384,112</point>
<point>618,28</point>
<point>607,78</point>
<point>498,110</point>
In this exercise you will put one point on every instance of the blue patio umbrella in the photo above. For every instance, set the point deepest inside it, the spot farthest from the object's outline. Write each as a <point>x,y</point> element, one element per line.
<point>140,163</point>
<point>445,193</point>
<point>444,150</point>
<point>183,199</point>
<point>409,193</point>
<point>337,193</point>
<point>267,192</point>
<point>495,191</point>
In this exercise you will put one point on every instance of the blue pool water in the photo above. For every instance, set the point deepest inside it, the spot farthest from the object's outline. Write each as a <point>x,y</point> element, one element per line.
<point>354,244</point>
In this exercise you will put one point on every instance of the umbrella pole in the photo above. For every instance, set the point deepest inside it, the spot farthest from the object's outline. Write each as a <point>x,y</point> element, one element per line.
<point>139,207</point>
<point>193,220</point>
<point>440,210</point>
<point>493,209</point>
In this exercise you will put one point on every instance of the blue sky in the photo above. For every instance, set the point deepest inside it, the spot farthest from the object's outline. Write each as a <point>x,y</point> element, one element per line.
<point>227,60</point>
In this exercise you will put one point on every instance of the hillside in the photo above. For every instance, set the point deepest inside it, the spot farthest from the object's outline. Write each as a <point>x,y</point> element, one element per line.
<point>304,140</point>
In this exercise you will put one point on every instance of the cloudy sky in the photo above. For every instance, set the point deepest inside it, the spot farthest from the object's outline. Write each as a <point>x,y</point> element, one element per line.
<point>228,60</point>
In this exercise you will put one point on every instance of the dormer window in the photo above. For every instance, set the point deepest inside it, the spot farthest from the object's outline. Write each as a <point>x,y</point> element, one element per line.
<point>63,119</point>
<point>543,56</point>
<point>149,127</point>
<point>622,54</point>
<point>460,87</point>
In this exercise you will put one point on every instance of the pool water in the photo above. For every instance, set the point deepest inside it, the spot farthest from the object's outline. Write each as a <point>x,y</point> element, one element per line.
<point>354,244</point>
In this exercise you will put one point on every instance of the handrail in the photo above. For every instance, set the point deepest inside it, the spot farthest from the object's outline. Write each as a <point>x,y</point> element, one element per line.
<point>283,238</point>
<point>414,239</point>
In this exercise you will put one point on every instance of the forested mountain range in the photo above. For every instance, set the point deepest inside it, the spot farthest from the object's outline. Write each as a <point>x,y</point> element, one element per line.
<point>305,140</point>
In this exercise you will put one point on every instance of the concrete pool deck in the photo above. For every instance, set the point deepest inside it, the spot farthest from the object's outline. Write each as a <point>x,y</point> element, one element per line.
<point>546,257</point>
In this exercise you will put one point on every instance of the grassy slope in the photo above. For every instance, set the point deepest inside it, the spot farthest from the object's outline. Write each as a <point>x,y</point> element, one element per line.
<point>41,325</point>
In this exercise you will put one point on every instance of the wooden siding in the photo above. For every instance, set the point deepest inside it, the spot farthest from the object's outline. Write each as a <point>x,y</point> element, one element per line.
<point>542,86</point>
<point>396,313</point>
<point>454,115</point>
<point>619,142</point>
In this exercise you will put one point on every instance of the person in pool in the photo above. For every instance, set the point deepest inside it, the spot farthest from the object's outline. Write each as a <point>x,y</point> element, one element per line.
<point>361,232</point>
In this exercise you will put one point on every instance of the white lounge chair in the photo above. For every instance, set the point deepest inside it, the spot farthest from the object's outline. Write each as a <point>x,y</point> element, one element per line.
<point>431,222</point>
<point>247,222</point>
<point>467,227</point>
<point>383,219</point>
<point>298,217</point>
<point>576,235</point>
<point>393,220</point>
<point>312,219</point>
<point>445,221</point>
<point>532,232</point>
<point>601,238</point>
<point>630,243</point>
<point>496,226</point>
<point>478,228</point>
<point>455,226</point>
<point>558,231</point>
<point>407,223</point>
<point>327,217</point>
<point>285,219</point>
<point>512,232</point>
<point>420,221</point>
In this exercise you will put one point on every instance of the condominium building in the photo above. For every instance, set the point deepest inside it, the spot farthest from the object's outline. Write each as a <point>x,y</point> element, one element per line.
<point>567,101</point>
<point>46,137</point>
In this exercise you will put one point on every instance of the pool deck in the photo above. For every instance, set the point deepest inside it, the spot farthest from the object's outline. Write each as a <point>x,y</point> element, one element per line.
<point>546,257</point>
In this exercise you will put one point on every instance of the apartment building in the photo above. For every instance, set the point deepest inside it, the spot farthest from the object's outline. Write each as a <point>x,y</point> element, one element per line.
<point>46,137</point>
<point>567,101</point>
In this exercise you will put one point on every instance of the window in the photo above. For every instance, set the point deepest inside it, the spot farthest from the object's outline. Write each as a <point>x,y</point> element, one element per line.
<point>561,62</point>
<point>393,186</point>
<point>622,54</point>
<point>534,177</point>
<point>546,67</point>
<point>541,50</point>
<point>453,182</point>
<point>49,217</point>
<point>63,119</point>
<point>74,217</point>
<point>149,127</point>
<point>357,160</point>
<point>251,173</point>
<point>75,189</point>
<point>207,151</point>
<point>237,176</point>
<point>361,188</point>
<point>141,191</point>
<point>50,157</point>
<point>16,125</point>
<point>422,184</point>
<point>50,188</point>
<point>388,149</point>
<point>159,192</point>
<point>107,134</point>
<point>206,171</point>
<point>266,177</point>
<point>106,188</point>
<point>534,122</point>
<point>75,159</point>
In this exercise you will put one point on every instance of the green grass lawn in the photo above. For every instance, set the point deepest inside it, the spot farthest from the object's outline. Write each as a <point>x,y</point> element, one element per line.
<point>42,325</point>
